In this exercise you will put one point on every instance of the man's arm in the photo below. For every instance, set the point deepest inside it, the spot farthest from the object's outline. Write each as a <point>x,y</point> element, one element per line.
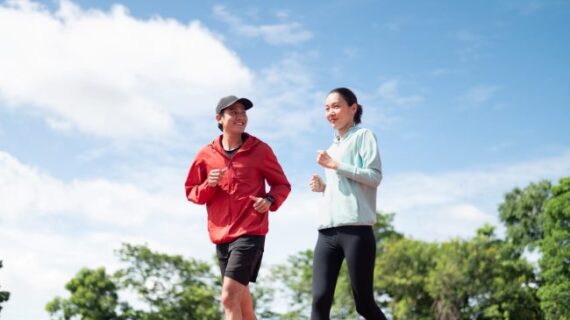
<point>198,190</point>
<point>275,177</point>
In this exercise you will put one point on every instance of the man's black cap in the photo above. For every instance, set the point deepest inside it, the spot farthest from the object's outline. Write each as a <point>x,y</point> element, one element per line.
<point>229,100</point>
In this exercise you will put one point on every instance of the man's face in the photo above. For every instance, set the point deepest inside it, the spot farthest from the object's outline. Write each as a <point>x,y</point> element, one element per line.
<point>233,119</point>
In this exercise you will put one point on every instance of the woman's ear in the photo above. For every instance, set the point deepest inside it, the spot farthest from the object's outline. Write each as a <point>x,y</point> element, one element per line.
<point>354,108</point>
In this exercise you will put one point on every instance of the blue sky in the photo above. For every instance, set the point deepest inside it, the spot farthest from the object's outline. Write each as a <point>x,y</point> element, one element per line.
<point>104,104</point>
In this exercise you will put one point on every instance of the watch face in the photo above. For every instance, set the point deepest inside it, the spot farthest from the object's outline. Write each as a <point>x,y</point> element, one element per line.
<point>270,198</point>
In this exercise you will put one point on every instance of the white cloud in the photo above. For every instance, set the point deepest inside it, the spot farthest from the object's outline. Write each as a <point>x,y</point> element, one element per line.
<point>63,226</point>
<point>479,94</point>
<point>399,23</point>
<point>275,34</point>
<point>51,228</point>
<point>389,91</point>
<point>472,44</point>
<point>351,52</point>
<point>530,7</point>
<point>54,228</point>
<point>110,74</point>
<point>467,212</point>
<point>448,71</point>
<point>439,206</point>
<point>287,103</point>
<point>28,193</point>
<point>283,14</point>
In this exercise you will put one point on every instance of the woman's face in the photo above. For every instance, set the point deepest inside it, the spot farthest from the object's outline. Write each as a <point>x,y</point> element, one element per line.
<point>339,114</point>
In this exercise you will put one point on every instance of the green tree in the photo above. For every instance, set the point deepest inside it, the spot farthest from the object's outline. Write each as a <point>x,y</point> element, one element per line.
<point>479,278</point>
<point>167,286</point>
<point>555,247</point>
<point>292,281</point>
<point>384,230</point>
<point>172,287</point>
<point>482,278</point>
<point>344,307</point>
<point>263,299</point>
<point>4,295</point>
<point>93,296</point>
<point>401,274</point>
<point>522,212</point>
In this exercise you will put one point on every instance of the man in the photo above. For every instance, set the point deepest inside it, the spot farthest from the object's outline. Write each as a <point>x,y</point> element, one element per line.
<point>229,176</point>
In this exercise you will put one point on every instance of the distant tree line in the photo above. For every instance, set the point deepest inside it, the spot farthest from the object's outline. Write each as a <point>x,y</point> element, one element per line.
<point>4,295</point>
<point>484,277</point>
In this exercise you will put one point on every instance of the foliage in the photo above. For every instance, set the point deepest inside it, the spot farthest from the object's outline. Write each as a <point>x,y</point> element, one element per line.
<point>263,298</point>
<point>173,287</point>
<point>479,278</point>
<point>167,286</point>
<point>384,231</point>
<point>521,212</point>
<point>401,274</point>
<point>482,278</point>
<point>4,295</point>
<point>290,282</point>
<point>93,296</point>
<point>555,262</point>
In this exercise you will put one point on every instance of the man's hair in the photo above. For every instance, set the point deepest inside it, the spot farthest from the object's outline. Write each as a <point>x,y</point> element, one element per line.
<point>219,124</point>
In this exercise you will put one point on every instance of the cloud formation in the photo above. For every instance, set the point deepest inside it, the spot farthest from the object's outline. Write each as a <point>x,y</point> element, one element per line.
<point>275,34</point>
<point>438,206</point>
<point>41,215</point>
<point>109,74</point>
<point>479,95</point>
<point>389,91</point>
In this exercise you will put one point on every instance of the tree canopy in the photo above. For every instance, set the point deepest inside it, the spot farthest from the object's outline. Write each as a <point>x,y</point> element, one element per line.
<point>166,287</point>
<point>482,277</point>
<point>555,247</point>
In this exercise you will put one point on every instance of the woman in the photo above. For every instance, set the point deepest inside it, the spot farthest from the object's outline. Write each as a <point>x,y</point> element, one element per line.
<point>353,172</point>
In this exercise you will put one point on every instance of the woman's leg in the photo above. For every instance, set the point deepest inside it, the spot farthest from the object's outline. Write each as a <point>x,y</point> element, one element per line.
<point>360,250</point>
<point>326,266</point>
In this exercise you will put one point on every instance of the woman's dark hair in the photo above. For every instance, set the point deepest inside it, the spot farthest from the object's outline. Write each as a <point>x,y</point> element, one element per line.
<point>350,99</point>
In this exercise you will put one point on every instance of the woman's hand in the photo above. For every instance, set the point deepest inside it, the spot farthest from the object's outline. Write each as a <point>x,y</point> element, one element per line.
<point>324,160</point>
<point>317,184</point>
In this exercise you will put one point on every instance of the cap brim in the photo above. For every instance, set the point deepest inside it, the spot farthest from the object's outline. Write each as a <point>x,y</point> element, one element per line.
<point>246,103</point>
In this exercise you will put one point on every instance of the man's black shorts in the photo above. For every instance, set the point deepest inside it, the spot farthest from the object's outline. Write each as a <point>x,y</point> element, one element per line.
<point>241,258</point>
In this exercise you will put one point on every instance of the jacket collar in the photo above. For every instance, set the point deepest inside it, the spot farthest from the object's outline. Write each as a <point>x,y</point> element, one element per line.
<point>248,142</point>
<point>348,133</point>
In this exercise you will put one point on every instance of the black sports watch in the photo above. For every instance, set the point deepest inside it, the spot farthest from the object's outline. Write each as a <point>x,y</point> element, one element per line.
<point>270,198</point>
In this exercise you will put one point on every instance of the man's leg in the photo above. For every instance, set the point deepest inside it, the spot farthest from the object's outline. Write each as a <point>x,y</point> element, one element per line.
<point>247,310</point>
<point>233,293</point>
<point>239,265</point>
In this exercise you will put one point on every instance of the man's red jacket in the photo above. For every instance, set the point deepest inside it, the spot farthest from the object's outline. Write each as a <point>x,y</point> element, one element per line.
<point>230,209</point>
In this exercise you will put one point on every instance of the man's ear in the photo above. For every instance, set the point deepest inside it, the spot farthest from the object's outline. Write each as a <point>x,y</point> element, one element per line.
<point>219,118</point>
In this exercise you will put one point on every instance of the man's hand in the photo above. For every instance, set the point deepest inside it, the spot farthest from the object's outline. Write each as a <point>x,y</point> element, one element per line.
<point>215,176</point>
<point>324,160</point>
<point>260,205</point>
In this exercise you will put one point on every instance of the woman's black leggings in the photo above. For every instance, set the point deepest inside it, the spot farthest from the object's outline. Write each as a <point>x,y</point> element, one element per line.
<point>358,245</point>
